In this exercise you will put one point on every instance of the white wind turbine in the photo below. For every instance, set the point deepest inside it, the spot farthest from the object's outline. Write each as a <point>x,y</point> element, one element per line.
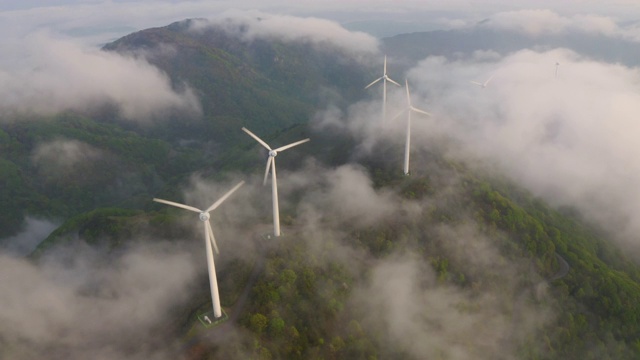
<point>409,109</point>
<point>557,66</point>
<point>484,84</point>
<point>271,165</point>
<point>384,79</point>
<point>209,240</point>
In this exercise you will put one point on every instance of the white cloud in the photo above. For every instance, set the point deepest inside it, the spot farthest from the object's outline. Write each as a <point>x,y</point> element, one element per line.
<point>35,230</point>
<point>254,24</point>
<point>45,74</point>
<point>63,155</point>
<point>571,140</point>
<point>430,319</point>
<point>77,303</point>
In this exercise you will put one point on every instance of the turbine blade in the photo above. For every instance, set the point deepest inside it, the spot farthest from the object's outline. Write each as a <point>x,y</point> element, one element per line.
<point>400,113</point>
<point>378,79</point>
<point>420,111</point>
<point>283,148</point>
<point>475,83</point>
<point>406,83</point>
<point>257,138</point>
<point>393,82</point>
<point>385,65</point>
<point>487,82</point>
<point>177,205</point>
<point>266,171</point>
<point>212,238</point>
<point>224,197</point>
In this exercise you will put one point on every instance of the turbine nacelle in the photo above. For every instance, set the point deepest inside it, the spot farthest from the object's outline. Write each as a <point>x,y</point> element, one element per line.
<point>273,153</point>
<point>204,216</point>
<point>384,77</point>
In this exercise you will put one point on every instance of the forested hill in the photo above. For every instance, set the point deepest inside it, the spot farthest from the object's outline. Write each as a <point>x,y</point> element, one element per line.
<point>263,84</point>
<point>453,261</point>
<point>95,158</point>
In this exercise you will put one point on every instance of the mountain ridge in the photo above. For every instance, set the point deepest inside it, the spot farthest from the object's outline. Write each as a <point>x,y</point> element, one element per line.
<point>374,264</point>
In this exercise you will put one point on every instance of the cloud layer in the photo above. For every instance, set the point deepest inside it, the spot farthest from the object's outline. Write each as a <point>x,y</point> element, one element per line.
<point>80,303</point>
<point>46,74</point>
<point>568,139</point>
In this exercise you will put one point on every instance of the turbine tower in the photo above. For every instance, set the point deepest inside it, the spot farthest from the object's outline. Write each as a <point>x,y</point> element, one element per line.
<point>384,79</point>
<point>557,66</point>
<point>484,84</point>
<point>209,241</point>
<point>271,165</point>
<point>409,109</point>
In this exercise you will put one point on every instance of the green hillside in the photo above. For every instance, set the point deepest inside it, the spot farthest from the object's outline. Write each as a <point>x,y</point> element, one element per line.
<point>448,263</point>
<point>263,85</point>
<point>266,86</point>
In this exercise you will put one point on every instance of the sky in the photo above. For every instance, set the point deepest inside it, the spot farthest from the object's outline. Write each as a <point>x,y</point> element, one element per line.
<point>96,22</point>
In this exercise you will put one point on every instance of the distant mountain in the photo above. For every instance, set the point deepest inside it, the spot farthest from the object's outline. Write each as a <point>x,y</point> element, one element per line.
<point>410,48</point>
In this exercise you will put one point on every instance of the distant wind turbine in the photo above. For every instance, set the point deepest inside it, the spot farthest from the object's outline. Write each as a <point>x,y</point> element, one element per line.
<point>384,79</point>
<point>484,84</point>
<point>271,165</point>
<point>209,241</point>
<point>557,66</point>
<point>409,109</point>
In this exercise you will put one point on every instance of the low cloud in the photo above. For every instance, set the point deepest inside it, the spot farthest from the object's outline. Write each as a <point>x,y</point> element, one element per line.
<point>22,244</point>
<point>64,155</point>
<point>568,139</point>
<point>343,195</point>
<point>46,74</point>
<point>79,303</point>
<point>318,32</point>
<point>399,299</point>
<point>425,318</point>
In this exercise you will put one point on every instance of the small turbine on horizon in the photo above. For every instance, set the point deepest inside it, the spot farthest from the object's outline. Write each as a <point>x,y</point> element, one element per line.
<point>409,109</point>
<point>271,165</point>
<point>384,79</point>
<point>484,84</point>
<point>557,66</point>
<point>209,241</point>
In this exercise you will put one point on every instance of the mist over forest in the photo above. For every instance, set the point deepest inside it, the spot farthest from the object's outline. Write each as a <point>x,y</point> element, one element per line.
<point>512,237</point>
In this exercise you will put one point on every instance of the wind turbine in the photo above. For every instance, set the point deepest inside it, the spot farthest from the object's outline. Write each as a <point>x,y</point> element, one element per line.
<point>484,84</point>
<point>409,109</point>
<point>271,165</point>
<point>209,240</point>
<point>557,66</point>
<point>384,79</point>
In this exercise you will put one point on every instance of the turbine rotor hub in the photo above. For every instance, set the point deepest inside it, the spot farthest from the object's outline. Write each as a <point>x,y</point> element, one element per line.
<point>273,153</point>
<point>204,216</point>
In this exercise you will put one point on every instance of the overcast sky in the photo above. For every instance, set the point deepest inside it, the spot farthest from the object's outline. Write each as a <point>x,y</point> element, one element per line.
<point>98,21</point>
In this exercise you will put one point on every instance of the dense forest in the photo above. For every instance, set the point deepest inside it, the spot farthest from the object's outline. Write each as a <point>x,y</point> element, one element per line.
<point>451,262</point>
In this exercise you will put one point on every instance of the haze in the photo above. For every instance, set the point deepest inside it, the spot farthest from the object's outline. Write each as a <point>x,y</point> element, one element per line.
<point>570,139</point>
